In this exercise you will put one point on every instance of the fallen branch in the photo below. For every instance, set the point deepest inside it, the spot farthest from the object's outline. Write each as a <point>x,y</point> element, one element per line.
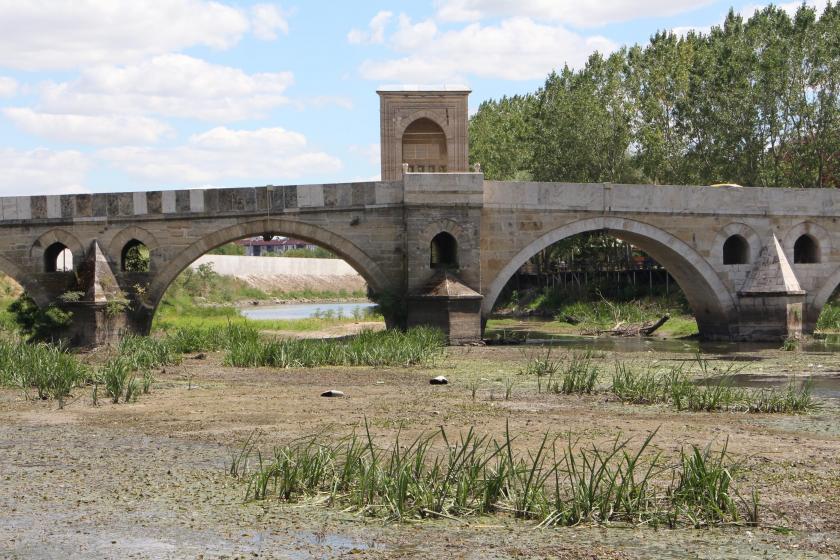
<point>622,329</point>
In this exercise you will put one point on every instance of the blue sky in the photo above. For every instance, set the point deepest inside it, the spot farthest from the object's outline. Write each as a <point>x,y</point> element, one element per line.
<point>115,95</point>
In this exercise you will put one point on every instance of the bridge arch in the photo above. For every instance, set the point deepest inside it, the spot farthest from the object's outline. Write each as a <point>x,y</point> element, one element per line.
<point>50,238</point>
<point>709,298</point>
<point>354,256</point>
<point>818,235</point>
<point>122,239</point>
<point>747,233</point>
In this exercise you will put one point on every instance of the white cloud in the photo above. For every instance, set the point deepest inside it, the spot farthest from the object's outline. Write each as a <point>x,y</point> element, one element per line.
<point>375,33</point>
<point>221,154</point>
<point>107,130</point>
<point>411,36</point>
<point>685,30</point>
<point>789,7</point>
<point>41,171</point>
<point>516,49</point>
<point>44,35</point>
<point>574,12</point>
<point>267,20</point>
<point>172,85</point>
<point>370,152</point>
<point>8,87</point>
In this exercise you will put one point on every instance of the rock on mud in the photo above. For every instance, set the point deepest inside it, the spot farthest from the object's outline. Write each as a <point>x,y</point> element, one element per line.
<point>439,380</point>
<point>332,393</point>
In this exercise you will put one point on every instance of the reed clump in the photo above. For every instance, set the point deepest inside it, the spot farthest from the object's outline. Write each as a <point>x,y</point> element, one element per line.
<point>419,345</point>
<point>48,369</point>
<point>576,375</point>
<point>563,482</point>
<point>674,386</point>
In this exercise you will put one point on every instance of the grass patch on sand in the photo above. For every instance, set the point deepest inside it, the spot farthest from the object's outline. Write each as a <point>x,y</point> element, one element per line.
<point>419,345</point>
<point>563,482</point>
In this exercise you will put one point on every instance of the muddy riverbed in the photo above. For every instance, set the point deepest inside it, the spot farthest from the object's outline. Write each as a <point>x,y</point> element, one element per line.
<point>148,479</point>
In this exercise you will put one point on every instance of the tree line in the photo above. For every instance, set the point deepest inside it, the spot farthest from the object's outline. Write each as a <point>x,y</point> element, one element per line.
<point>753,101</point>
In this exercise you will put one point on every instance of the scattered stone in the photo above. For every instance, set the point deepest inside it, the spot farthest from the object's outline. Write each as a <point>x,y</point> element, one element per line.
<point>439,380</point>
<point>332,393</point>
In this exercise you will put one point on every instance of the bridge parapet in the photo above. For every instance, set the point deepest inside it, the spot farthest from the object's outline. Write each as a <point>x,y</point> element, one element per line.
<point>197,202</point>
<point>668,199</point>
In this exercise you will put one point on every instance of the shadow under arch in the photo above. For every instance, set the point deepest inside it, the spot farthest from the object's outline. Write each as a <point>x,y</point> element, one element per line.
<point>815,304</point>
<point>30,288</point>
<point>354,256</point>
<point>708,297</point>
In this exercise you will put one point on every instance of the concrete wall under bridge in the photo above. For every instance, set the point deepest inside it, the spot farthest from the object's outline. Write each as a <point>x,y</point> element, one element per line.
<point>385,231</point>
<point>287,273</point>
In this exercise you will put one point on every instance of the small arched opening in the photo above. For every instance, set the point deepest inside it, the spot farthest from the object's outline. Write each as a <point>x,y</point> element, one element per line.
<point>736,250</point>
<point>135,257</point>
<point>806,250</point>
<point>424,147</point>
<point>58,258</point>
<point>443,251</point>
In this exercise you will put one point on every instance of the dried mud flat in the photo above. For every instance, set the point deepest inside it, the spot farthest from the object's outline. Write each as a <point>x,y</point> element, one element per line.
<point>148,479</point>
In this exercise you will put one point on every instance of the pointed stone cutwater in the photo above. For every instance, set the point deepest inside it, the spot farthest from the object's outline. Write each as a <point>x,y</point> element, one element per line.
<point>97,277</point>
<point>771,303</point>
<point>446,302</point>
<point>772,273</point>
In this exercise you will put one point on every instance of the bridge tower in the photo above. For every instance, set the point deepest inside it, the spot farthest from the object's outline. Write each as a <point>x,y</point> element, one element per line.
<point>424,140</point>
<point>425,127</point>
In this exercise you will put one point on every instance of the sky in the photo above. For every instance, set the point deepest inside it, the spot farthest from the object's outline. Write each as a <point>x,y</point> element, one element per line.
<point>120,95</point>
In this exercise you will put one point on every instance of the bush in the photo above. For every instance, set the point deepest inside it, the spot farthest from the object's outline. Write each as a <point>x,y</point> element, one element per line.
<point>37,323</point>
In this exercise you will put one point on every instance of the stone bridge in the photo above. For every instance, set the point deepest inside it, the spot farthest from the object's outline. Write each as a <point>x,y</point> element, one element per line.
<point>437,242</point>
<point>750,261</point>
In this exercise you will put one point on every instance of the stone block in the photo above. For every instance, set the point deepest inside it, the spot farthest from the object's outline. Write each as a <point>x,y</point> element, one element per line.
<point>38,207</point>
<point>84,205</point>
<point>154,200</point>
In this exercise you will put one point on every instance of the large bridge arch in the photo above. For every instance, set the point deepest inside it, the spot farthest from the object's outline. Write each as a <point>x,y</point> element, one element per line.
<point>342,247</point>
<point>709,298</point>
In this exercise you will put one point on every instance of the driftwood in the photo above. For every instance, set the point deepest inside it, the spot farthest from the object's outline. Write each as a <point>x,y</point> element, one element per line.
<point>643,329</point>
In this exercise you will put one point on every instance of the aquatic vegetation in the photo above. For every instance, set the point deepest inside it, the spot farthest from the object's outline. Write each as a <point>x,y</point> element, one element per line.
<point>712,393</point>
<point>563,482</point>
<point>49,369</point>
<point>369,348</point>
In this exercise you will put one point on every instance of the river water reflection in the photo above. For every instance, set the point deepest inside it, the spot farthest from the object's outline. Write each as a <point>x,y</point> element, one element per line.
<point>306,310</point>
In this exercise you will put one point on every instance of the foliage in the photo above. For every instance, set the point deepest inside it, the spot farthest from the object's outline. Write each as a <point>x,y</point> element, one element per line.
<point>137,258</point>
<point>754,101</point>
<point>560,483</point>
<point>228,249</point>
<point>47,368</point>
<point>37,323</point>
<point>385,348</point>
<point>673,386</point>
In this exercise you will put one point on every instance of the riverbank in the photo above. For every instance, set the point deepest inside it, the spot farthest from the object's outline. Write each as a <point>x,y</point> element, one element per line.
<point>151,478</point>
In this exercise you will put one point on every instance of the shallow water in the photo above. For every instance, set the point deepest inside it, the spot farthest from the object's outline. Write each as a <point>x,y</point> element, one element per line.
<point>639,344</point>
<point>825,385</point>
<point>535,332</point>
<point>305,310</point>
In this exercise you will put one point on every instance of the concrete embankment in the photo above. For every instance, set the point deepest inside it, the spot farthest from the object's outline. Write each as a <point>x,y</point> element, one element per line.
<point>287,274</point>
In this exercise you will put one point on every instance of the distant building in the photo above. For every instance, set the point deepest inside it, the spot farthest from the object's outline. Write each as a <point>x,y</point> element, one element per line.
<point>258,246</point>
